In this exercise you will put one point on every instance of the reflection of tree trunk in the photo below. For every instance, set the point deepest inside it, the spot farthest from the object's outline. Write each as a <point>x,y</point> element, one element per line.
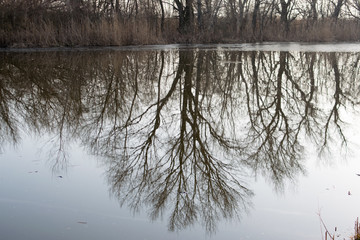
<point>279,79</point>
<point>197,91</point>
<point>255,83</point>
<point>309,106</point>
<point>338,91</point>
<point>186,58</point>
<point>190,165</point>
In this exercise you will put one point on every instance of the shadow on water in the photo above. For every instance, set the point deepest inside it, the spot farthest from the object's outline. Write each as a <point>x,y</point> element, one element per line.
<point>181,131</point>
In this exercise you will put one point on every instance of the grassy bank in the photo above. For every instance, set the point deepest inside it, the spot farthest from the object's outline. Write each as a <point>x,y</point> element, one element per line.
<point>119,32</point>
<point>83,32</point>
<point>23,26</point>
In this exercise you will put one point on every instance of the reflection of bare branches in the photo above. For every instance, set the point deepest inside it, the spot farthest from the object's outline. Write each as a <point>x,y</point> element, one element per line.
<point>275,145</point>
<point>179,129</point>
<point>8,124</point>
<point>334,112</point>
<point>201,186</point>
<point>309,113</point>
<point>58,155</point>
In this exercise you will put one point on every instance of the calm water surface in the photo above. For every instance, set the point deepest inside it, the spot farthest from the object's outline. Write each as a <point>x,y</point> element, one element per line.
<point>179,142</point>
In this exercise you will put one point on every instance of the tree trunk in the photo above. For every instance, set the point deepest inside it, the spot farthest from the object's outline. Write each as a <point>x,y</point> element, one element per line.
<point>162,16</point>
<point>314,14</point>
<point>284,12</point>
<point>186,16</point>
<point>337,8</point>
<point>240,16</point>
<point>254,15</point>
<point>189,16</point>
<point>199,16</point>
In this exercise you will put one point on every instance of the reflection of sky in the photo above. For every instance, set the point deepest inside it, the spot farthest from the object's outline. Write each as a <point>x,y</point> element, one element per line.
<point>45,206</point>
<point>37,205</point>
<point>324,190</point>
<point>41,205</point>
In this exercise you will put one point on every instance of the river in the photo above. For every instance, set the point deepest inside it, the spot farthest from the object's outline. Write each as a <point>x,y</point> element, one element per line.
<point>248,141</point>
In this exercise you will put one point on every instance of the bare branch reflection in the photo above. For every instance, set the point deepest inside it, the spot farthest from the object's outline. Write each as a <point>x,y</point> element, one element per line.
<point>181,131</point>
<point>183,172</point>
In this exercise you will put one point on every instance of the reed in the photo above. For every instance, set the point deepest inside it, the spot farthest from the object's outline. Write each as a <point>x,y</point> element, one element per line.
<point>328,235</point>
<point>36,26</point>
<point>323,30</point>
<point>357,230</point>
<point>102,32</point>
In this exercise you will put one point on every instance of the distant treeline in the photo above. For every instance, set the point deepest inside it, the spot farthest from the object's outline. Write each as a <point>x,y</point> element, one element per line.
<point>44,23</point>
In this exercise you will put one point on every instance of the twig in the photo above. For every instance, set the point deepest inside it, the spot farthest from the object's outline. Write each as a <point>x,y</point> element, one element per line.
<point>326,230</point>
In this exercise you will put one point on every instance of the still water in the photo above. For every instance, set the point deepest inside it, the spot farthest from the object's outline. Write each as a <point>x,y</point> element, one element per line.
<point>180,142</point>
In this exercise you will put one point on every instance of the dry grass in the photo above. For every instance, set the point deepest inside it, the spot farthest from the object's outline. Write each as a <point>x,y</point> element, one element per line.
<point>357,230</point>
<point>326,30</point>
<point>38,27</point>
<point>102,32</point>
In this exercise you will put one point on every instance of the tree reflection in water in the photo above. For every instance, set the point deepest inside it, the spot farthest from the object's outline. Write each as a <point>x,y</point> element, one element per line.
<point>180,131</point>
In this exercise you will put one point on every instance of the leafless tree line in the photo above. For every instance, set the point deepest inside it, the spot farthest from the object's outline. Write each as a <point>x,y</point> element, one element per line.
<point>192,16</point>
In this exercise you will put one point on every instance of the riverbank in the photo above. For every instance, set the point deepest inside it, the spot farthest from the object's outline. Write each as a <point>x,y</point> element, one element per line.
<point>70,31</point>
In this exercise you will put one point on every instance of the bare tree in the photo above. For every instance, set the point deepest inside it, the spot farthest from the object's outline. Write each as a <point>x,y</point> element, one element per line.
<point>337,6</point>
<point>353,8</point>
<point>186,15</point>
<point>313,13</point>
<point>286,13</point>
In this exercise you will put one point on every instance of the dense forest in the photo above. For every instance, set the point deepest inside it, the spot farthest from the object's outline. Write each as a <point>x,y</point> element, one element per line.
<point>44,23</point>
